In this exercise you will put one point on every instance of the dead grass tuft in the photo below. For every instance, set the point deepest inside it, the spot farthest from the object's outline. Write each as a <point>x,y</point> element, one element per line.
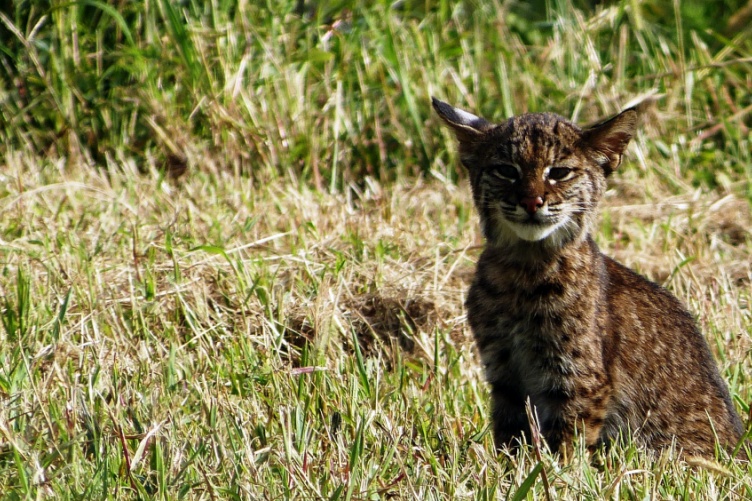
<point>391,320</point>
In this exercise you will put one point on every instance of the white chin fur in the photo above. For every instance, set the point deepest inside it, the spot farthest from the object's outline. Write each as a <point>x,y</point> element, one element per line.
<point>533,232</point>
<point>556,234</point>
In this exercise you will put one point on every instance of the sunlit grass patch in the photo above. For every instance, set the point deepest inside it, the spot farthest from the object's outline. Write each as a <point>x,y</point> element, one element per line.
<point>319,351</point>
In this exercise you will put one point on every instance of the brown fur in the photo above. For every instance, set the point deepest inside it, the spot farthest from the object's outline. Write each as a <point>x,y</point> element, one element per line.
<point>593,345</point>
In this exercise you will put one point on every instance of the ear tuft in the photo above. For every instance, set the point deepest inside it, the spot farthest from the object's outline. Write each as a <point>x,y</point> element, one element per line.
<point>609,139</point>
<point>465,125</point>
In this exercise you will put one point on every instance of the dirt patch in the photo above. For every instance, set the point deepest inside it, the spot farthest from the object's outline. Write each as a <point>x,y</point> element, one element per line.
<point>730,219</point>
<point>389,321</point>
<point>382,324</point>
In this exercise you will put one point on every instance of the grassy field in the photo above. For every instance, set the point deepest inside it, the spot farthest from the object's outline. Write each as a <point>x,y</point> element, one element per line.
<point>234,245</point>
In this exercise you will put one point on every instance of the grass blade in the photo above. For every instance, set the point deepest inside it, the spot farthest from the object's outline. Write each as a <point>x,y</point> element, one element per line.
<point>527,484</point>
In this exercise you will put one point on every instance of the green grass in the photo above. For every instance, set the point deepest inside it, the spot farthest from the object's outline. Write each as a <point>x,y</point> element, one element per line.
<point>234,245</point>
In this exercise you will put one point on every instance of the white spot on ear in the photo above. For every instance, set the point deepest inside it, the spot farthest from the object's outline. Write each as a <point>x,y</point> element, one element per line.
<point>466,118</point>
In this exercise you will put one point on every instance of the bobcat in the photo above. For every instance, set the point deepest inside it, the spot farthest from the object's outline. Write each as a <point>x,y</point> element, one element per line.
<point>594,346</point>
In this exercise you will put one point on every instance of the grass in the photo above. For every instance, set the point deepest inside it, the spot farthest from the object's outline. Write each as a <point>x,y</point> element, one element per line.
<point>234,246</point>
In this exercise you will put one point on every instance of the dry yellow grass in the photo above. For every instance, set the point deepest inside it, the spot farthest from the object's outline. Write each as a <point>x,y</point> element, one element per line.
<point>271,324</point>
<point>210,299</point>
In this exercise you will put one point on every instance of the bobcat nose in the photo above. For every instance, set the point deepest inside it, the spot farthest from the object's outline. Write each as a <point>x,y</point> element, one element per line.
<point>531,204</point>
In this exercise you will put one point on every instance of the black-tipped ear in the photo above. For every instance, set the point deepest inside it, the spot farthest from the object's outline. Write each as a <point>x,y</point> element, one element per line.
<point>466,126</point>
<point>609,139</point>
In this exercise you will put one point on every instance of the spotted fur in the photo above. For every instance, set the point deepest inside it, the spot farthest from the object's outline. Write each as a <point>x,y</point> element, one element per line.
<point>596,347</point>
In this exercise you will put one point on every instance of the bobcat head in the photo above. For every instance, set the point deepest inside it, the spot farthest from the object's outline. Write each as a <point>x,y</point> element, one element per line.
<point>537,178</point>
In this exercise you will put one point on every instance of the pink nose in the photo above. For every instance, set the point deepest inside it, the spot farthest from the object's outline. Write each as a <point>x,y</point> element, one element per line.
<point>531,204</point>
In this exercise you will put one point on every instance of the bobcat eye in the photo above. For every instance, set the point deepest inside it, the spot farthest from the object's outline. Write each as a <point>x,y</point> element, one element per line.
<point>560,173</point>
<point>505,171</point>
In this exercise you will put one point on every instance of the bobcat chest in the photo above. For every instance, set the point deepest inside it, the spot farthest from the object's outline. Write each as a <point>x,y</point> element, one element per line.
<point>530,356</point>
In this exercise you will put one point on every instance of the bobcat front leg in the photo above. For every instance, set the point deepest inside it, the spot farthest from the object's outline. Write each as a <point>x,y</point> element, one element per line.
<point>564,415</point>
<point>583,416</point>
<point>508,416</point>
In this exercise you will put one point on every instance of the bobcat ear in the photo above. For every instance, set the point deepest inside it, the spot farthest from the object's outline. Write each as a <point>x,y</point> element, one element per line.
<point>466,126</point>
<point>608,140</point>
